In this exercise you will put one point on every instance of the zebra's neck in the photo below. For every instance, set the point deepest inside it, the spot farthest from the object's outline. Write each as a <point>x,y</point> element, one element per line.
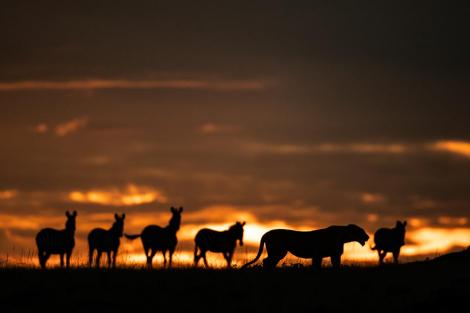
<point>114,231</point>
<point>173,228</point>
<point>69,232</point>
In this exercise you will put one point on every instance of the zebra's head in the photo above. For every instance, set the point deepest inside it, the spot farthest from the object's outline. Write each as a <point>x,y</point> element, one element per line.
<point>70,224</point>
<point>175,221</point>
<point>237,231</point>
<point>118,225</point>
<point>400,228</point>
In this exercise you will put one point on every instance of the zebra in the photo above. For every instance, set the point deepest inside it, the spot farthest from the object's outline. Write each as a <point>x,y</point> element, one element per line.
<point>390,240</point>
<point>224,242</point>
<point>107,241</point>
<point>155,238</point>
<point>52,241</point>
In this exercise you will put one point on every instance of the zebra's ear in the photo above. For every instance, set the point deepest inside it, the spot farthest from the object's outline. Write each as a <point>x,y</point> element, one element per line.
<point>123,216</point>
<point>75,214</point>
<point>243,223</point>
<point>67,213</point>
<point>173,210</point>
<point>116,216</point>
<point>181,210</point>
<point>404,223</point>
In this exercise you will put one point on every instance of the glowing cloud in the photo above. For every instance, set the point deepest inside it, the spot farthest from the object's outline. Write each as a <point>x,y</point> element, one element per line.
<point>41,128</point>
<point>212,128</point>
<point>130,196</point>
<point>96,84</point>
<point>461,148</point>
<point>72,126</point>
<point>293,149</point>
<point>8,194</point>
<point>371,198</point>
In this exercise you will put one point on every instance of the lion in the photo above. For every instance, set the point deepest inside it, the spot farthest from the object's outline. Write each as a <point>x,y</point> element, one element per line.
<point>315,245</point>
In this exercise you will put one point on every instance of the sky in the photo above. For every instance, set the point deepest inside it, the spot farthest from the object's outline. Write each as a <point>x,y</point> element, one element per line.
<point>298,115</point>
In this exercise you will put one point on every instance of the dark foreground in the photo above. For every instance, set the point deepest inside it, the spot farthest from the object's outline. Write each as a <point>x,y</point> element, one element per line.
<point>419,287</point>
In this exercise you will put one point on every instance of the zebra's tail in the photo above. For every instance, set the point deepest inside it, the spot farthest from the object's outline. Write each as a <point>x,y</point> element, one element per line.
<point>373,248</point>
<point>260,251</point>
<point>132,237</point>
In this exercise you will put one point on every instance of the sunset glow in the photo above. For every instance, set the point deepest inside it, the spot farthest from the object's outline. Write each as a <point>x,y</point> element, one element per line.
<point>457,147</point>
<point>129,196</point>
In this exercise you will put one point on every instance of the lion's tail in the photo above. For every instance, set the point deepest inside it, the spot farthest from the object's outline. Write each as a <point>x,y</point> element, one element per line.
<point>260,251</point>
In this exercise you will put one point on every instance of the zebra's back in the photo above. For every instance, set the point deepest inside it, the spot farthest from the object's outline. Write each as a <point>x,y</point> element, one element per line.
<point>102,240</point>
<point>215,241</point>
<point>159,238</point>
<point>387,239</point>
<point>54,241</point>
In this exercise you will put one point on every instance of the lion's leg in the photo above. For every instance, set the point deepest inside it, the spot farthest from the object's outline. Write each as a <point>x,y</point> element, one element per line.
<point>336,261</point>
<point>316,262</point>
<point>275,254</point>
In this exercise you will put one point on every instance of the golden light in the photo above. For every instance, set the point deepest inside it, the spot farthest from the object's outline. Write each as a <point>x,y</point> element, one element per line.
<point>453,146</point>
<point>8,194</point>
<point>129,196</point>
<point>371,198</point>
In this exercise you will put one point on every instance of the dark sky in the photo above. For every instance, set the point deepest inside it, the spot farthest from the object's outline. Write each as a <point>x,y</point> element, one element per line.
<point>324,111</point>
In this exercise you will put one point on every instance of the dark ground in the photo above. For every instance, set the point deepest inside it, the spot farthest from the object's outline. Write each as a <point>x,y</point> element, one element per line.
<point>417,287</point>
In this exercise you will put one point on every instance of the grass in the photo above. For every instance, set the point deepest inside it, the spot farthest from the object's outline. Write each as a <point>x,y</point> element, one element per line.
<point>405,288</point>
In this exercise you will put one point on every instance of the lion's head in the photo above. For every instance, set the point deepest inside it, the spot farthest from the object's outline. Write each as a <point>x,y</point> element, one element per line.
<point>356,233</point>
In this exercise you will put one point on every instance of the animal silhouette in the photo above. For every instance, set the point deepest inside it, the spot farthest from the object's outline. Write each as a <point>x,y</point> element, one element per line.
<point>390,240</point>
<point>224,242</point>
<point>51,241</point>
<point>107,241</point>
<point>315,245</point>
<point>155,238</point>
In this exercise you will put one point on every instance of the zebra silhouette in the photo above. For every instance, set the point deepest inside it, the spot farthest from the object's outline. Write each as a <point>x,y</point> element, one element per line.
<point>51,241</point>
<point>223,242</point>
<point>107,241</point>
<point>155,238</point>
<point>390,240</point>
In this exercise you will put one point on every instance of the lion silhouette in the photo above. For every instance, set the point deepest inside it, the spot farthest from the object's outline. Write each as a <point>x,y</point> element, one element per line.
<point>315,245</point>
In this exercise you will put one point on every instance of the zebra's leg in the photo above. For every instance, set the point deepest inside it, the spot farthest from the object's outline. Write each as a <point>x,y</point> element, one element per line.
<point>147,255</point>
<point>205,259</point>
<point>153,252</point>
<point>114,257</point>
<point>109,254</point>
<point>46,257</point>
<point>61,260</point>
<point>396,254</point>
<point>196,256</point>
<point>98,258</point>
<point>164,258</point>
<point>67,258</point>
<point>382,254</point>
<point>41,258</point>
<point>229,259</point>
<point>90,257</point>
<point>171,258</point>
